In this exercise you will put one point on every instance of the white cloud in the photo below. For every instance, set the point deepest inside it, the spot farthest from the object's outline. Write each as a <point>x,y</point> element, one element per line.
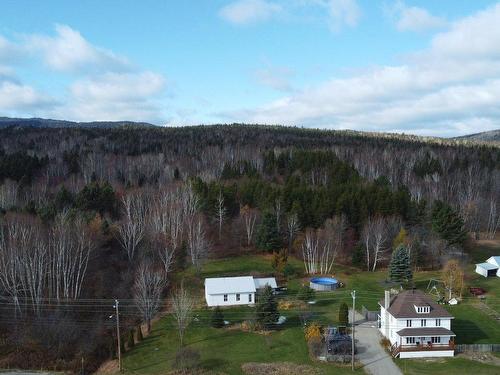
<point>412,18</point>
<point>277,78</point>
<point>244,12</point>
<point>454,84</point>
<point>115,96</point>
<point>16,98</point>
<point>69,51</point>
<point>343,13</point>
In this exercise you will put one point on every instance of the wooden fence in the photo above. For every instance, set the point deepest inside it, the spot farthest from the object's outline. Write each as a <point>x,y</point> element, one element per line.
<point>477,348</point>
<point>369,315</point>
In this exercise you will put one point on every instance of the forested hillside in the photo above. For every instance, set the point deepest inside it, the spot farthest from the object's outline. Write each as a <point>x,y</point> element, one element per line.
<point>93,214</point>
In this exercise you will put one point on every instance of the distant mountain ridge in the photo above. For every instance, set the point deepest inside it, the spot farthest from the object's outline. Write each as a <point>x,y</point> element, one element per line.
<point>492,136</point>
<point>49,123</point>
<point>489,136</point>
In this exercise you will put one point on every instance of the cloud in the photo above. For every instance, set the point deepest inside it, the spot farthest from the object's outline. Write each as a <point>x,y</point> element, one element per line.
<point>69,51</point>
<point>277,78</point>
<point>412,18</point>
<point>342,13</point>
<point>245,12</point>
<point>454,84</point>
<point>104,86</point>
<point>15,98</point>
<point>115,96</point>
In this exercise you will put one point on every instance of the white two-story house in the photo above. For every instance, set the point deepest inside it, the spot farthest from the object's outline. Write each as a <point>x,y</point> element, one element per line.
<point>416,325</point>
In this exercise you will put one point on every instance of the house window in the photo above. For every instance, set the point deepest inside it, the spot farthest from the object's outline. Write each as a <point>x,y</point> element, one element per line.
<point>237,297</point>
<point>408,323</point>
<point>438,322</point>
<point>423,309</point>
<point>410,340</point>
<point>225,297</point>
<point>249,298</point>
<point>423,322</point>
<point>436,340</point>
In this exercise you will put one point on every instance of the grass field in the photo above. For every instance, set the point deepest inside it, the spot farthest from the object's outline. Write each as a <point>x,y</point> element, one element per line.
<point>225,350</point>
<point>445,366</point>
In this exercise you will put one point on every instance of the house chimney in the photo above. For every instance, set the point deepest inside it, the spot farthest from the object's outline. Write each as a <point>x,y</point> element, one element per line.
<point>387,299</point>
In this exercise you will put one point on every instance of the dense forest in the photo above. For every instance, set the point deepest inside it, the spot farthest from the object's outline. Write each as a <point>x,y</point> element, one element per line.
<point>92,214</point>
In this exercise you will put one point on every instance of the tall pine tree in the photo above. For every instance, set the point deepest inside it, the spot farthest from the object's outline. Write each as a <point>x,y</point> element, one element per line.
<point>400,266</point>
<point>268,237</point>
<point>267,308</point>
<point>448,224</point>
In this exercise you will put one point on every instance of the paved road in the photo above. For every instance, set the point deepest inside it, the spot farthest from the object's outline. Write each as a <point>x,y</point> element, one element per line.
<point>370,353</point>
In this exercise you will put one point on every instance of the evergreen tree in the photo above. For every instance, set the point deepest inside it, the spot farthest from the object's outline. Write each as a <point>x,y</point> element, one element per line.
<point>448,224</point>
<point>268,237</point>
<point>400,266</point>
<point>267,308</point>
<point>343,314</point>
<point>217,318</point>
<point>358,256</point>
<point>306,293</point>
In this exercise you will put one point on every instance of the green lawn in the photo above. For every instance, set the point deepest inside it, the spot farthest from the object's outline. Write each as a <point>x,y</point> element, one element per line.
<point>445,366</point>
<point>222,350</point>
<point>226,349</point>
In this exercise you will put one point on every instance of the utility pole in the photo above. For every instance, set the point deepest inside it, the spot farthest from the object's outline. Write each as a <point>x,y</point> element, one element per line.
<point>119,351</point>
<point>353,295</point>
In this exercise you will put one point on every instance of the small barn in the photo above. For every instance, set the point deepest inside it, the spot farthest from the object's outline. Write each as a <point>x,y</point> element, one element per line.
<point>489,268</point>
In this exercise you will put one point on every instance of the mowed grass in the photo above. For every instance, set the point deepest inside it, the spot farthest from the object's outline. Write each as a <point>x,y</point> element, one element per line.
<point>225,350</point>
<point>222,350</point>
<point>445,366</point>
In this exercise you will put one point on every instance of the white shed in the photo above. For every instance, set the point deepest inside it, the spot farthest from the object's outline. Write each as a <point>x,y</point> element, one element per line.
<point>230,291</point>
<point>489,268</point>
<point>262,282</point>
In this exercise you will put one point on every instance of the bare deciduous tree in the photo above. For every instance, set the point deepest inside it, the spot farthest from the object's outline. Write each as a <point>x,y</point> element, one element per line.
<point>148,287</point>
<point>249,217</point>
<point>292,227</point>
<point>220,212</point>
<point>133,226</point>
<point>197,243</point>
<point>375,237</point>
<point>182,310</point>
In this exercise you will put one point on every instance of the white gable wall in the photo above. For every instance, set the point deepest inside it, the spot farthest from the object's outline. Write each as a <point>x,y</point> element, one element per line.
<point>218,299</point>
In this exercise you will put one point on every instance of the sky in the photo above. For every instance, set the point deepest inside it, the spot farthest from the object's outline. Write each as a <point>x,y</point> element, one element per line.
<point>415,67</point>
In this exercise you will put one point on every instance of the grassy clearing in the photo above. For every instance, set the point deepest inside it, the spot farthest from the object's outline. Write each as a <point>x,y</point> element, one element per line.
<point>445,366</point>
<point>225,350</point>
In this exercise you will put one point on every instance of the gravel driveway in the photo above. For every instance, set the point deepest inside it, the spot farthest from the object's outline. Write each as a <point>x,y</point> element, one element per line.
<point>370,353</point>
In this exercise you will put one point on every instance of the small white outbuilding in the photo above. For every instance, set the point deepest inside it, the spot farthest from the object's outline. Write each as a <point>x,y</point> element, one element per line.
<point>489,268</point>
<point>234,291</point>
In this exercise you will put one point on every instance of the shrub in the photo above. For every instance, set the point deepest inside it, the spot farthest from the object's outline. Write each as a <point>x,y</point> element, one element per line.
<point>344,314</point>
<point>217,318</point>
<point>312,331</point>
<point>315,346</point>
<point>306,293</point>
<point>186,359</point>
<point>385,343</point>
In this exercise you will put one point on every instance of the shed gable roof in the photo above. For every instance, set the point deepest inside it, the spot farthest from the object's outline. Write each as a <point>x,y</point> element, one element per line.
<point>226,285</point>
<point>494,260</point>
